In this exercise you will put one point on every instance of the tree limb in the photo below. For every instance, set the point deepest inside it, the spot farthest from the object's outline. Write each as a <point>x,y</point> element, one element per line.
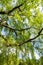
<point>17,7</point>
<point>3,37</point>
<point>11,28</point>
<point>29,40</point>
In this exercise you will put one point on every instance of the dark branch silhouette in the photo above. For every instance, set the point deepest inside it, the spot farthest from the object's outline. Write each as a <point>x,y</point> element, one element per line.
<point>3,12</point>
<point>29,40</point>
<point>11,28</point>
<point>3,37</point>
<point>17,7</point>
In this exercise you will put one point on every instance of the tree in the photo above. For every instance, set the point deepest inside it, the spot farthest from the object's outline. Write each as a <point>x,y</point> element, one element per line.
<point>21,31</point>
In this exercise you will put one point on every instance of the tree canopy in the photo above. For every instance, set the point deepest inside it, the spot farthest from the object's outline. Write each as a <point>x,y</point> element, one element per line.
<point>21,32</point>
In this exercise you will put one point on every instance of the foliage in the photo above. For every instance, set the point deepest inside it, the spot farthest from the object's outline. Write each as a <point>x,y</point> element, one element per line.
<point>21,32</point>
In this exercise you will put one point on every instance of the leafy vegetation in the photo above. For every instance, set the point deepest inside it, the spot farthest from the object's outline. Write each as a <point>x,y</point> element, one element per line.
<point>21,32</point>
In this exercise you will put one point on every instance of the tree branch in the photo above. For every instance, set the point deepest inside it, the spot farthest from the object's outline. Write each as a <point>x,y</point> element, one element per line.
<point>11,28</point>
<point>3,37</point>
<point>17,7</point>
<point>29,40</point>
<point>3,25</point>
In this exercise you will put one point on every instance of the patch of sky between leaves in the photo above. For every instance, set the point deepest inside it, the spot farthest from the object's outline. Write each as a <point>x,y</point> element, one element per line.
<point>3,32</point>
<point>14,2</point>
<point>0,52</point>
<point>0,5</point>
<point>40,7</point>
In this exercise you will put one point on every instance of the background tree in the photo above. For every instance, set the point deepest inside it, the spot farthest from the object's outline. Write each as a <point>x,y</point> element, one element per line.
<point>21,32</point>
